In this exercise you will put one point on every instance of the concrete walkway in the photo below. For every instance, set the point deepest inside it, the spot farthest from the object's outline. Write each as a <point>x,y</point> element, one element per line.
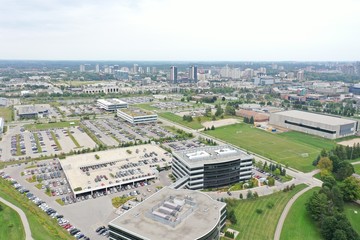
<point>23,218</point>
<point>286,211</point>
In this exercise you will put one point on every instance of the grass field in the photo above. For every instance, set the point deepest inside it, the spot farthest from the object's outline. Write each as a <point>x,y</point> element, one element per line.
<point>298,224</point>
<point>353,217</point>
<point>42,226</point>
<point>10,224</point>
<point>73,139</point>
<point>45,126</point>
<point>177,119</point>
<point>252,225</point>
<point>357,168</point>
<point>6,113</point>
<point>53,135</point>
<point>285,148</point>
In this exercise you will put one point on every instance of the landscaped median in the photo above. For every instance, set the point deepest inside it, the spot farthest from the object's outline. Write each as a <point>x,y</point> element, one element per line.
<point>257,218</point>
<point>118,201</point>
<point>42,226</point>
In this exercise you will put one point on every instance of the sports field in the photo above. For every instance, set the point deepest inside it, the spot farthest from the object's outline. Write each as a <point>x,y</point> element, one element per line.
<point>298,150</point>
<point>177,119</point>
<point>298,223</point>
<point>10,224</point>
<point>254,225</point>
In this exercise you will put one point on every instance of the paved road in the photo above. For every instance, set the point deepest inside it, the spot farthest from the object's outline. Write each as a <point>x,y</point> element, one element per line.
<point>23,218</point>
<point>286,211</point>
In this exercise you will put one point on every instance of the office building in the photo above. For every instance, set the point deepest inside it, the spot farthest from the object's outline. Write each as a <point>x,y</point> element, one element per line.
<point>173,74</point>
<point>211,167</point>
<point>111,104</point>
<point>193,73</point>
<point>136,115</point>
<point>97,68</point>
<point>82,68</point>
<point>300,75</point>
<point>315,124</point>
<point>171,214</point>
<point>32,111</point>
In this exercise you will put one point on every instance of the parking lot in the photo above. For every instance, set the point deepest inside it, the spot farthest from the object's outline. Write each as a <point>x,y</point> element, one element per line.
<point>137,100</point>
<point>77,213</point>
<point>183,145</point>
<point>171,105</point>
<point>20,143</point>
<point>113,132</point>
<point>80,109</point>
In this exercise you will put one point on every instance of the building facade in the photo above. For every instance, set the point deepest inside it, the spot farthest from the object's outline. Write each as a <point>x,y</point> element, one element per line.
<point>137,116</point>
<point>211,167</point>
<point>315,124</point>
<point>111,105</point>
<point>173,74</point>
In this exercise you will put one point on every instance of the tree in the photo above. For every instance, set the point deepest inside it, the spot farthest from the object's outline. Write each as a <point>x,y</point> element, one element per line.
<point>251,121</point>
<point>271,181</point>
<point>327,227</point>
<point>329,181</point>
<point>317,205</point>
<point>232,217</point>
<point>249,195</point>
<point>339,235</point>
<point>351,189</point>
<point>241,196</point>
<point>208,112</point>
<point>212,127</point>
<point>325,164</point>
<point>223,99</point>
<point>345,169</point>
<point>230,110</point>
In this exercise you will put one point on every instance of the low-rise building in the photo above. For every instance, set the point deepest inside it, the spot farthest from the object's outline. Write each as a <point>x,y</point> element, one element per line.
<point>316,124</point>
<point>1,126</point>
<point>171,214</point>
<point>211,167</point>
<point>111,104</point>
<point>137,116</point>
<point>257,116</point>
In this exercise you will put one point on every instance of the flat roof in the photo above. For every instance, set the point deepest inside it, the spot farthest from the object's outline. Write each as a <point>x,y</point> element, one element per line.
<point>137,112</point>
<point>139,159</point>
<point>111,101</point>
<point>200,220</point>
<point>319,118</point>
<point>32,109</point>
<point>209,155</point>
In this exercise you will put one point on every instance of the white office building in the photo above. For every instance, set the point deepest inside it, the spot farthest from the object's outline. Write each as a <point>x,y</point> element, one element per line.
<point>1,126</point>
<point>136,116</point>
<point>111,104</point>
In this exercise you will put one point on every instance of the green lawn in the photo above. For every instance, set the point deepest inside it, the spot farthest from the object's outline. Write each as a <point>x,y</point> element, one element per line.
<point>73,139</point>
<point>298,224</point>
<point>357,168</point>
<point>252,225</point>
<point>53,135</point>
<point>285,148</point>
<point>44,126</point>
<point>42,226</point>
<point>353,217</point>
<point>38,145</point>
<point>10,224</point>
<point>6,113</point>
<point>177,119</point>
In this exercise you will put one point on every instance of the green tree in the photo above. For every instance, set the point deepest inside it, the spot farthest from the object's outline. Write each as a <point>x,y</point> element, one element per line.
<point>351,189</point>
<point>327,227</point>
<point>345,169</point>
<point>339,235</point>
<point>232,217</point>
<point>317,205</point>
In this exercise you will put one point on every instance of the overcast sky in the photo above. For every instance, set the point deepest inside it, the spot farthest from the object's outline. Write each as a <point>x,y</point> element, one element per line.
<point>194,30</point>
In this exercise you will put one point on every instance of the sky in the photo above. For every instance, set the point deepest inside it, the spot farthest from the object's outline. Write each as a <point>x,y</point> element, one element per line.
<point>180,30</point>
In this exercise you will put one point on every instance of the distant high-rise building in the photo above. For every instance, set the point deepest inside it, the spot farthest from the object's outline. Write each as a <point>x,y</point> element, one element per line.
<point>97,68</point>
<point>135,68</point>
<point>147,69</point>
<point>300,75</point>
<point>82,68</point>
<point>153,70</point>
<point>193,73</point>
<point>173,74</point>
<point>116,67</point>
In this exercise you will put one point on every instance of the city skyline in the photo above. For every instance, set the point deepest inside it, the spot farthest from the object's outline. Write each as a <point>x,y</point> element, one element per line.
<point>171,30</point>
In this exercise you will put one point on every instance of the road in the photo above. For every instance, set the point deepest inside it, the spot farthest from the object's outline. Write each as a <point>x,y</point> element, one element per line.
<point>23,218</point>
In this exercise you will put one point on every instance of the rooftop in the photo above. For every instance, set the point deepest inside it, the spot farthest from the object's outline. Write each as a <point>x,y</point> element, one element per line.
<point>111,101</point>
<point>209,155</point>
<point>172,214</point>
<point>319,118</point>
<point>136,112</point>
<point>32,109</point>
<point>137,162</point>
